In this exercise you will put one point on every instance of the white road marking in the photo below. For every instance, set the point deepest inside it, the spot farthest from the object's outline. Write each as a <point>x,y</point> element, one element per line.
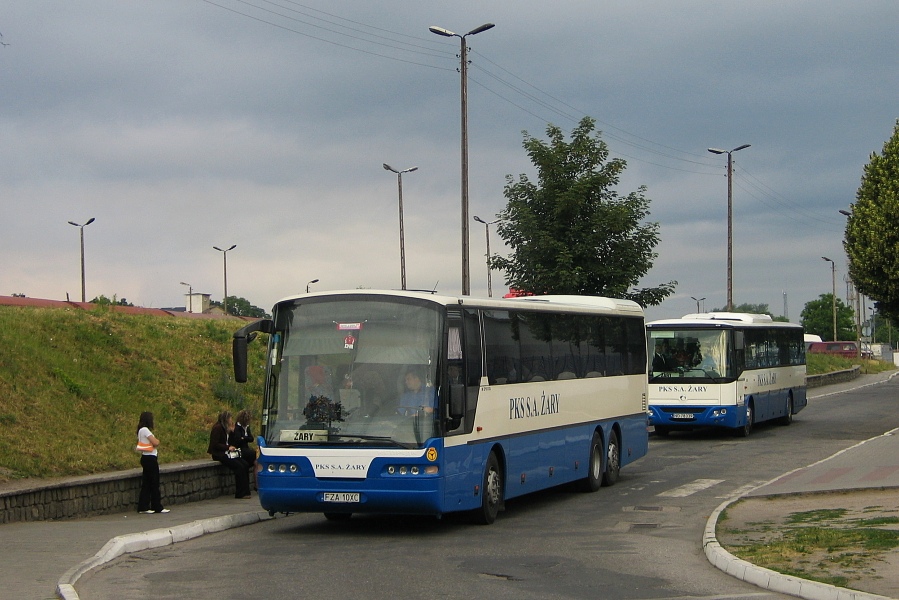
<point>691,488</point>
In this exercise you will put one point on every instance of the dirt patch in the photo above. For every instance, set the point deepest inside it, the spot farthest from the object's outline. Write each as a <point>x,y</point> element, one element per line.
<point>848,539</point>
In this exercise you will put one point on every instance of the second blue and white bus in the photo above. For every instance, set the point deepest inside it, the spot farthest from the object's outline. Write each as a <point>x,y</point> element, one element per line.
<point>519,395</point>
<point>724,369</point>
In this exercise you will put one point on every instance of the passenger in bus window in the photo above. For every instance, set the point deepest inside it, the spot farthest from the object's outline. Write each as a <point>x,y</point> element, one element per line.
<point>661,359</point>
<point>681,356</point>
<point>417,396</point>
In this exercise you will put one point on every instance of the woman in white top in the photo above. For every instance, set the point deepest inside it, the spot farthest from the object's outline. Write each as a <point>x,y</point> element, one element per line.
<point>149,501</point>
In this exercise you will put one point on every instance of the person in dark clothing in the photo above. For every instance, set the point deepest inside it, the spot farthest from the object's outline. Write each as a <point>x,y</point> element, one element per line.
<point>242,437</point>
<point>224,452</point>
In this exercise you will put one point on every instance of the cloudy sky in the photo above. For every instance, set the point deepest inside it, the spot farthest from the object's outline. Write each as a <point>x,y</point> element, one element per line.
<point>180,125</point>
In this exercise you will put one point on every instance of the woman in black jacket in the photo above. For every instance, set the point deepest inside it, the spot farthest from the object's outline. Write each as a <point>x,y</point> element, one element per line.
<point>226,453</point>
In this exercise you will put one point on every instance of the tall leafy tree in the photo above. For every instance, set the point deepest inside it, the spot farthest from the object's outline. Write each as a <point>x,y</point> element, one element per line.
<point>241,307</point>
<point>746,307</point>
<point>571,233</point>
<point>817,318</point>
<point>872,231</point>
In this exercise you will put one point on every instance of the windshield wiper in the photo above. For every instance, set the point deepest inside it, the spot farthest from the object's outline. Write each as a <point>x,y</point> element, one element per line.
<point>369,438</point>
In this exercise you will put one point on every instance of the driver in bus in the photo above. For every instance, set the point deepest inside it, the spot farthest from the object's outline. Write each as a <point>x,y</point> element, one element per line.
<point>417,397</point>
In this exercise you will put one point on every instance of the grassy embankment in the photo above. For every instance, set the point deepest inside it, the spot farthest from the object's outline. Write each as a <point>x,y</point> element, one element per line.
<point>73,384</point>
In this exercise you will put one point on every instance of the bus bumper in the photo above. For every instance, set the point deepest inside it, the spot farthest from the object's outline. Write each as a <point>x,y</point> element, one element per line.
<point>697,416</point>
<point>286,494</point>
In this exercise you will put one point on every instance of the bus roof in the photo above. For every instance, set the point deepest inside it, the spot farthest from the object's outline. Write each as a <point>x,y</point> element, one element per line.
<point>568,303</point>
<point>722,319</point>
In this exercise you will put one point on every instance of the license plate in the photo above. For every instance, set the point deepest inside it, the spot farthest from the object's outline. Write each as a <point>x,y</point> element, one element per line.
<point>682,416</point>
<point>343,497</point>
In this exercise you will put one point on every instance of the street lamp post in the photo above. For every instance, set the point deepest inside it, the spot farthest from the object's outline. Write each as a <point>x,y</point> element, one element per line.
<point>487,231</point>
<point>698,300</point>
<point>81,227</point>
<point>466,272</point>
<point>225,261</point>
<point>190,297</point>
<point>310,283</point>
<point>399,183</point>
<point>730,221</point>
<point>833,277</point>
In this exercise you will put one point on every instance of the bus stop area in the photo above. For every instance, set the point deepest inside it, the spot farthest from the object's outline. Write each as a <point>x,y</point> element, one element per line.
<point>44,558</point>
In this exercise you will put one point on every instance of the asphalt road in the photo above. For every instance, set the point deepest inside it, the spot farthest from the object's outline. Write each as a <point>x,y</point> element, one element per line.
<point>639,539</point>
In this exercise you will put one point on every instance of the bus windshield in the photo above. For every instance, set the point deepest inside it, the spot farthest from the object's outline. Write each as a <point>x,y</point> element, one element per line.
<point>351,373</point>
<point>699,354</point>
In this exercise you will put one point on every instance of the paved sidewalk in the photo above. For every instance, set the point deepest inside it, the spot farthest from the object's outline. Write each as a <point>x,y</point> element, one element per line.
<point>872,464</point>
<point>42,559</point>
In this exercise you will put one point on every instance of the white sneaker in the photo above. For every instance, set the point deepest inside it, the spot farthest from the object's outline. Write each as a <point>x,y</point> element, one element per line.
<point>146,512</point>
<point>164,510</point>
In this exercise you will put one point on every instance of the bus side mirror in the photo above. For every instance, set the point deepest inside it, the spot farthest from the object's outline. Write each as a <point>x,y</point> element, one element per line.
<point>242,337</point>
<point>457,401</point>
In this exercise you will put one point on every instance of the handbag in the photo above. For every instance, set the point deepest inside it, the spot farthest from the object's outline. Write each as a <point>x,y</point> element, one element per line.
<point>233,453</point>
<point>143,447</point>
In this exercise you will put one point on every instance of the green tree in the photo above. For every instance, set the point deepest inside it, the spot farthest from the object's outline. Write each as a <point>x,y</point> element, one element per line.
<point>753,309</point>
<point>241,307</point>
<point>571,233</point>
<point>103,300</point>
<point>871,239</point>
<point>817,318</point>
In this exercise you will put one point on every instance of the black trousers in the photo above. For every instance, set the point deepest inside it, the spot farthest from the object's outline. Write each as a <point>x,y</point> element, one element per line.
<point>149,484</point>
<point>241,475</point>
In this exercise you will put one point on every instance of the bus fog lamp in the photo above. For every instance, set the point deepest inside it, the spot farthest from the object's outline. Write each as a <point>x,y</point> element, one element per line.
<point>431,470</point>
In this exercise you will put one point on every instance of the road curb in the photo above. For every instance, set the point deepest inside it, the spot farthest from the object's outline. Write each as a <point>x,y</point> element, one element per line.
<point>154,538</point>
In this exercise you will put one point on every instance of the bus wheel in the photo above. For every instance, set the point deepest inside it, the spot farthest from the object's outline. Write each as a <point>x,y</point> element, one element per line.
<point>593,480</point>
<point>613,460</point>
<point>788,415</point>
<point>491,492</point>
<point>338,516</point>
<point>746,429</point>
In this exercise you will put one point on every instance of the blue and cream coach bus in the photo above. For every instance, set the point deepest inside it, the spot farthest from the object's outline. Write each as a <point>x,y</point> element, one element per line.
<point>406,402</point>
<point>724,370</point>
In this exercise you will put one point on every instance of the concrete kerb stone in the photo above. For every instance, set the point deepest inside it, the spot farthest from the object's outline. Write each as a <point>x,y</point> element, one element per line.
<point>154,538</point>
<point>766,578</point>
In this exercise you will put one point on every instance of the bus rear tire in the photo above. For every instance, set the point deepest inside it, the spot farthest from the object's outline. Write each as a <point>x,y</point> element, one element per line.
<point>746,429</point>
<point>338,516</point>
<point>491,492</point>
<point>788,415</point>
<point>593,481</point>
<point>613,460</point>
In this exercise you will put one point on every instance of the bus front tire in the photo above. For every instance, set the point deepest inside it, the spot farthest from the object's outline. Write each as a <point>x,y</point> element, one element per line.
<point>593,480</point>
<point>613,460</point>
<point>491,492</point>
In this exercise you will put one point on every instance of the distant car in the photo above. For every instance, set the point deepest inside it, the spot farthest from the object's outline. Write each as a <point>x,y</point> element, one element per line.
<point>847,349</point>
